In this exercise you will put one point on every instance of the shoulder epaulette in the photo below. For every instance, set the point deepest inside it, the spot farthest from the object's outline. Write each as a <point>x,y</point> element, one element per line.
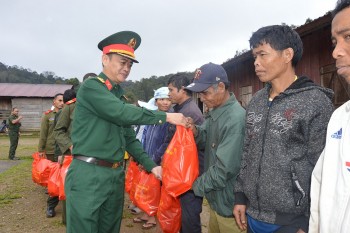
<point>126,99</point>
<point>71,101</point>
<point>106,82</point>
<point>101,80</point>
<point>48,111</point>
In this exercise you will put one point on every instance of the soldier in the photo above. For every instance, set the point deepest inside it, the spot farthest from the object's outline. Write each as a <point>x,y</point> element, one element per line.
<point>46,146</point>
<point>62,132</point>
<point>101,133</point>
<point>14,125</point>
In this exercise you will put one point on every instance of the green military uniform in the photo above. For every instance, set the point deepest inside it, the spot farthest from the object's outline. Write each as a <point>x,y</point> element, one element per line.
<point>47,139</point>
<point>62,133</point>
<point>47,145</point>
<point>14,135</point>
<point>57,151</point>
<point>102,129</point>
<point>63,128</point>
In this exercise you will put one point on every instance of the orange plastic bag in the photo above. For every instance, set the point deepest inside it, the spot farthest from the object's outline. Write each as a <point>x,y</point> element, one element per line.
<point>66,163</point>
<point>135,181</point>
<point>169,212</point>
<point>41,171</point>
<point>35,173</point>
<point>147,193</point>
<point>131,173</point>
<point>54,181</point>
<point>180,162</point>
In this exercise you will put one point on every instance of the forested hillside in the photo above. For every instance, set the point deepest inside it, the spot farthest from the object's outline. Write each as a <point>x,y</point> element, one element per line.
<point>138,90</point>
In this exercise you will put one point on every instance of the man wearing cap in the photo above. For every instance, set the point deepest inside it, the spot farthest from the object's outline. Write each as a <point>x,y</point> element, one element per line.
<point>221,136</point>
<point>101,133</point>
<point>191,205</point>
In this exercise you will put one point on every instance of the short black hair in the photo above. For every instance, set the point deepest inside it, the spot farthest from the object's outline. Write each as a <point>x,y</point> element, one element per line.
<point>341,5</point>
<point>57,95</point>
<point>89,75</point>
<point>279,37</point>
<point>69,95</point>
<point>179,81</point>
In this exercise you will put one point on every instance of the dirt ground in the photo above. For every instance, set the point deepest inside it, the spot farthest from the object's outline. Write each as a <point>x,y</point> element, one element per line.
<point>23,203</point>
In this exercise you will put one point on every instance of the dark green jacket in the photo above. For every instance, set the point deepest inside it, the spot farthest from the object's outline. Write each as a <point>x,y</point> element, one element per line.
<point>13,128</point>
<point>63,129</point>
<point>102,123</point>
<point>47,140</point>
<point>58,152</point>
<point>221,136</point>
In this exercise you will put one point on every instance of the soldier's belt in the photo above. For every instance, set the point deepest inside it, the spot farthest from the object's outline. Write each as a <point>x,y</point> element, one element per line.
<point>98,162</point>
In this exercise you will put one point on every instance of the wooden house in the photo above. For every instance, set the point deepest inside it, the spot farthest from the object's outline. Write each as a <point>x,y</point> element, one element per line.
<point>317,63</point>
<point>32,100</point>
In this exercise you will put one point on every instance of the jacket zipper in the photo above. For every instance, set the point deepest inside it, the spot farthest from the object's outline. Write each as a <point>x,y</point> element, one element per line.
<point>262,154</point>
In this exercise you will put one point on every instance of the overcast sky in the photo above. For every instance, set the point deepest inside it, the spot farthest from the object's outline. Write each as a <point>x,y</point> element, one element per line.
<point>177,35</point>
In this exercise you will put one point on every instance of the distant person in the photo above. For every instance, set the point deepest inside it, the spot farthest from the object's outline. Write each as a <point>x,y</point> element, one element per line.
<point>285,134</point>
<point>330,184</point>
<point>46,145</point>
<point>101,133</point>
<point>191,205</point>
<point>86,76</point>
<point>221,137</point>
<point>4,127</point>
<point>14,133</point>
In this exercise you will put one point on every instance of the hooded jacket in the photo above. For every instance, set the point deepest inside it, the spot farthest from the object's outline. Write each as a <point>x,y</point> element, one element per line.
<point>283,140</point>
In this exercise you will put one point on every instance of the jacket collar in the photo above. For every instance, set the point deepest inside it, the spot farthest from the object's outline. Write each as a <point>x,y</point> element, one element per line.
<point>178,107</point>
<point>217,112</point>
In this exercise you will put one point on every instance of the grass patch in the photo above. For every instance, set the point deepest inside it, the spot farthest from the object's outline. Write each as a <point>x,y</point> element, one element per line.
<point>13,182</point>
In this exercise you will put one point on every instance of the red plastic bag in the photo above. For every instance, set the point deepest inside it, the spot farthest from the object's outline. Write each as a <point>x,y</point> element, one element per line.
<point>147,193</point>
<point>180,162</point>
<point>35,173</point>
<point>65,165</point>
<point>169,212</point>
<point>131,173</point>
<point>54,181</point>
<point>41,171</point>
<point>135,181</point>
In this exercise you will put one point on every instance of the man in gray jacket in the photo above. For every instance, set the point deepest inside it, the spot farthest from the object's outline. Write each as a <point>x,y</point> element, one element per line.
<point>285,134</point>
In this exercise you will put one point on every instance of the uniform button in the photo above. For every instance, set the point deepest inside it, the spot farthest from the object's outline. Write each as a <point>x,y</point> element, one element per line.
<point>160,121</point>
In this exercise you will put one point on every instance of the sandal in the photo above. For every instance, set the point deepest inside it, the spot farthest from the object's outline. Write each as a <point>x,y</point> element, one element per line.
<point>139,220</point>
<point>148,225</point>
<point>135,210</point>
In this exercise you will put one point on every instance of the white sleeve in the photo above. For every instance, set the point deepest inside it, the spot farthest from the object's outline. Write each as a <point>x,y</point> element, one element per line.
<point>315,191</point>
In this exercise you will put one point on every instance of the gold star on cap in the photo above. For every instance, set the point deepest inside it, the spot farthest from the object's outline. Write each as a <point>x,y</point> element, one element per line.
<point>132,43</point>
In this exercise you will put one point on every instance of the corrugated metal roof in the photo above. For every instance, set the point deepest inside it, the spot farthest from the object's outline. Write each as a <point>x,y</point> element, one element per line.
<point>31,90</point>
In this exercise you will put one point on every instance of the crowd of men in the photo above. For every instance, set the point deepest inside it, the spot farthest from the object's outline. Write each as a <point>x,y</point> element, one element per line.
<point>280,165</point>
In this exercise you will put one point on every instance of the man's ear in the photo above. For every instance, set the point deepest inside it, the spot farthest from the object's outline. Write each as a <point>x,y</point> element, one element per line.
<point>105,59</point>
<point>221,87</point>
<point>288,55</point>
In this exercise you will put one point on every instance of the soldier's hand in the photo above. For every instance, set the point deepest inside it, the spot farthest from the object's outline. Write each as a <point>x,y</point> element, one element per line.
<point>157,172</point>
<point>42,155</point>
<point>60,159</point>
<point>176,119</point>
